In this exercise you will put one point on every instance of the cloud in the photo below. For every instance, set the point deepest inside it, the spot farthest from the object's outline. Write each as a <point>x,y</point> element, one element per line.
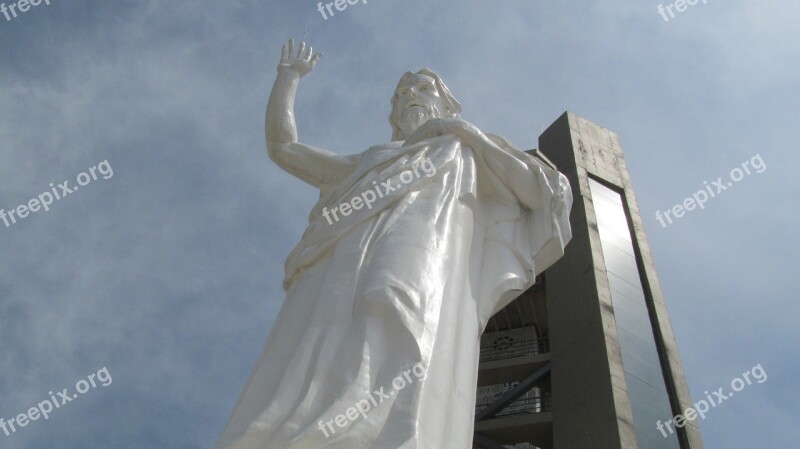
<point>169,273</point>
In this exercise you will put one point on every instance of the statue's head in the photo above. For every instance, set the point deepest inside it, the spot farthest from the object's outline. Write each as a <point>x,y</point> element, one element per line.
<point>418,98</point>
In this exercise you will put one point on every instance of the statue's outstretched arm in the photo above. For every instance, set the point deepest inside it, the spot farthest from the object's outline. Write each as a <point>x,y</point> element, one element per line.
<point>313,165</point>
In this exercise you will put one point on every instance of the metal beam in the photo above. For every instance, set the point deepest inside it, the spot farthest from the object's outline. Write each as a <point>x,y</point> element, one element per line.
<point>511,396</point>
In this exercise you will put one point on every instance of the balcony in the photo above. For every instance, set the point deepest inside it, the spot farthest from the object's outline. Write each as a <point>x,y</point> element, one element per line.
<point>504,346</point>
<point>511,354</point>
<point>515,410</point>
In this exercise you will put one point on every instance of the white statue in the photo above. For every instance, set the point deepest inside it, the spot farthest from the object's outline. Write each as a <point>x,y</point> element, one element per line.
<point>412,247</point>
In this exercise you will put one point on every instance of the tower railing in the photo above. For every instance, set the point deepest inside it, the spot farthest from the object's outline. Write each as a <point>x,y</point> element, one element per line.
<point>525,405</point>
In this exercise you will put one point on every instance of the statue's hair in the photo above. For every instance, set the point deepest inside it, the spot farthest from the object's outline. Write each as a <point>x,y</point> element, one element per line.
<point>453,107</point>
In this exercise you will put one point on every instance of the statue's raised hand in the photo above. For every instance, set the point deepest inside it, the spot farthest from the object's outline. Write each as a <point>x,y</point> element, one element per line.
<point>301,63</point>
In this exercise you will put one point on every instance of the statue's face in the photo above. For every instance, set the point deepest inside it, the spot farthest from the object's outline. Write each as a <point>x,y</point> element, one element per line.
<point>418,101</point>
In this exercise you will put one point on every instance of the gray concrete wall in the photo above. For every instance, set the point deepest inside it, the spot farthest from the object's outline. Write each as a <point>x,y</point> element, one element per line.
<point>590,400</point>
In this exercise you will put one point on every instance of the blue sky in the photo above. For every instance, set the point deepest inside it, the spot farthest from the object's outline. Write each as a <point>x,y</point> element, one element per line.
<point>169,273</point>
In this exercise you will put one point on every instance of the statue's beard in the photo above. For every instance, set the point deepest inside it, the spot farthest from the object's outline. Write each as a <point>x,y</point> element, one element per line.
<point>414,117</point>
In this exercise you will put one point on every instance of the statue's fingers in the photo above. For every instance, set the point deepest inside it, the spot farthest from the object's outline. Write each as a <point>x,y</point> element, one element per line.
<point>307,55</point>
<point>315,58</point>
<point>283,53</point>
<point>301,50</point>
<point>290,48</point>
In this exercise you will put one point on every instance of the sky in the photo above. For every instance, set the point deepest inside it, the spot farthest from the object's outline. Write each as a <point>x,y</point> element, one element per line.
<point>164,279</point>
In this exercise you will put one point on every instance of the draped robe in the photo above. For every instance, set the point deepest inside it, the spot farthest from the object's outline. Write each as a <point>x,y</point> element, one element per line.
<point>410,281</point>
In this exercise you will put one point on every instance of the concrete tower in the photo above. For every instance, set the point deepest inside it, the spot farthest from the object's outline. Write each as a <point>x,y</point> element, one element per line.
<point>586,358</point>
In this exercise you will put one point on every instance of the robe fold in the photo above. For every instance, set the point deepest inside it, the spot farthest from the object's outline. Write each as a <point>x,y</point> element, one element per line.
<point>405,284</point>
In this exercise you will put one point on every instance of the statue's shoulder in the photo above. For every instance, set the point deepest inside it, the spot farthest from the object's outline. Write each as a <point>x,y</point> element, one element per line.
<point>532,155</point>
<point>502,142</point>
